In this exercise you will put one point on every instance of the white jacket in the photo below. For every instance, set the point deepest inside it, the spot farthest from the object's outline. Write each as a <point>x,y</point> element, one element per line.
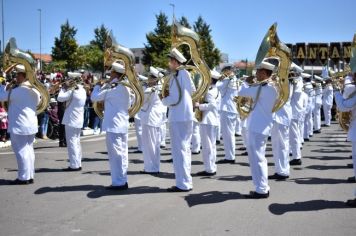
<point>22,110</point>
<point>348,105</point>
<point>228,90</point>
<point>74,113</point>
<point>328,95</point>
<point>117,103</point>
<point>297,100</point>
<point>183,111</point>
<point>210,107</point>
<point>151,111</point>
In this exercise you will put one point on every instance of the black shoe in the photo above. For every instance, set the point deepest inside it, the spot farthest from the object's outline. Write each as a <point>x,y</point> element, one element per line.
<point>290,154</point>
<point>149,173</point>
<point>19,182</point>
<point>137,151</point>
<point>31,181</point>
<point>295,162</point>
<point>351,203</point>
<point>255,195</point>
<point>195,153</point>
<point>73,169</point>
<point>175,189</point>
<point>61,144</point>
<point>162,146</point>
<point>278,177</point>
<point>351,179</point>
<point>169,161</point>
<point>306,140</point>
<point>317,131</point>
<point>350,166</point>
<point>351,157</point>
<point>218,142</point>
<point>118,188</point>
<point>237,135</point>
<point>204,173</point>
<point>244,154</point>
<point>224,161</point>
<point>242,149</point>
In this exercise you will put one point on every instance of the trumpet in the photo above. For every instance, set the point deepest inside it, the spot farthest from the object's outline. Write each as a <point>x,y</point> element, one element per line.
<point>70,84</point>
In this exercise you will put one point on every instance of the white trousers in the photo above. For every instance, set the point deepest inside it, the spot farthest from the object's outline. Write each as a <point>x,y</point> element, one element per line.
<point>163,133</point>
<point>228,122</point>
<point>151,137</point>
<point>317,117</point>
<point>238,125</point>
<point>354,156</point>
<point>308,125</point>
<point>327,114</point>
<point>138,129</point>
<point>196,141</point>
<point>295,139</point>
<point>218,129</point>
<point>208,140</point>
<point>181,135</point>
<point>22,145</point>
<point>73,146</point>
<point>116,145</point>
<point>258,163</point>
<point>280,148</point>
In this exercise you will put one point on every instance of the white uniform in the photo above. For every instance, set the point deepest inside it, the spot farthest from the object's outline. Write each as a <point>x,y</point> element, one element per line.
<point>181,126</point>
<point>115,123</point>
<point>259,124</point>
<point>151,120</point>
<point>228,114</point>
<point>280,138</point>
<point>196,140</point>
<point>208,128</point>
<point>23,126</point>
<point>349,105</point>
<point>297,118</point>
<point>328,98</point>
<point>305,100</point>
<point>73,120</point>
<point>308,119</point>
<point>317,107</point>
<point>138,130</point>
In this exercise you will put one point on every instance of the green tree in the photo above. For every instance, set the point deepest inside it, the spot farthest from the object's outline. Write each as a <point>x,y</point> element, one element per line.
<point>210,53</point>
<point>65,46</point>
<point>100,35</point>
<point>91,57</point>
<point>158,43</point>
<point>185,48</point>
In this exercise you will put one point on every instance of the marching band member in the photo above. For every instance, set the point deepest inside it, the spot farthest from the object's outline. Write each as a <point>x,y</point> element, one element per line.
<point>151,119</point>
<point>308,119</point>
<point>328,98</point>
<point>138,123</point>
<point>318,102</point>
<point>180,119</point>
<point>295,135</point>
<point>228,113</point>
<point>259,124</point>
<point>23,101</point>
<point>344,105</point>
<point>196,139</point>
<point>208,127</point>
<point>73,119</point>
<point>116,99</point>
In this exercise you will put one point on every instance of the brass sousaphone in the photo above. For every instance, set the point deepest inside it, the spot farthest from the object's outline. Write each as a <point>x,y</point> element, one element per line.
<point>270,47</point>
<point>115,52</point>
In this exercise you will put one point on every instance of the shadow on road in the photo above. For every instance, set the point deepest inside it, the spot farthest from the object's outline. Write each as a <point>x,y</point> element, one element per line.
<point>211,197</point>
<point>320,181</point>
<point>324,167</point>
<point>327,158</point>
<point>313,205</point>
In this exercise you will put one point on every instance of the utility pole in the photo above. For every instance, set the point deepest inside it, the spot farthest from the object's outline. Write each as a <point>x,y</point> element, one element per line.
<point>3,26</point>
<point>40,11</point>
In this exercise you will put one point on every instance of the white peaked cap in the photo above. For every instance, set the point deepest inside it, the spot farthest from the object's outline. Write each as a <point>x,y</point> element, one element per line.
<point>306,75</point>
<point>20,68</point>
<point>117,67</point>
<point>177,55</point>
<point>294,67</point>
<point>225,65</point>
<point>142,78</point>
<point>265,65</point>
<point>215,74</point>
<point>318,78</point>
<point>52,100</point>
<point>155,72</point>
<point>74,75</point>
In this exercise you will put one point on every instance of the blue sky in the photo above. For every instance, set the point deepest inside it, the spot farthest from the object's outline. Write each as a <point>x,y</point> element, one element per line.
<point>237,26</point>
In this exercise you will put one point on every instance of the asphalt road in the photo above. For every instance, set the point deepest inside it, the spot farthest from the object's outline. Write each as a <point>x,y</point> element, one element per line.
<point>311,202</point>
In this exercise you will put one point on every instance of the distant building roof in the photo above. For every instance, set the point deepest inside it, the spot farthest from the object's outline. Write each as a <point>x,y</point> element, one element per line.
<point>46,58</point>
<point>242,64</point>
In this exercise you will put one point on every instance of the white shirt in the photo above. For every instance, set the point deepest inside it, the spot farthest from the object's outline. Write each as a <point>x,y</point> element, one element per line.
<point>183,111</point>
<point>284,115</point>
<point>22,110</point>
<point>345,105</point>
<point>261,118</point>
<point>328,95</point>
<point>74,113</point>
<point>318,95</point>
<point>297,100</point>
<point>116,103</point>
<point>228,89</point>
<point>151,111</point>
<point>210,107</point>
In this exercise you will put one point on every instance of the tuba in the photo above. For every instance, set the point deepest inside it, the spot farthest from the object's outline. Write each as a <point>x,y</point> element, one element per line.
<point>273,48</point>
<point>344,118</point>
<point>182,35</point>
<point>116,52</point>
<point>14,56</point>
